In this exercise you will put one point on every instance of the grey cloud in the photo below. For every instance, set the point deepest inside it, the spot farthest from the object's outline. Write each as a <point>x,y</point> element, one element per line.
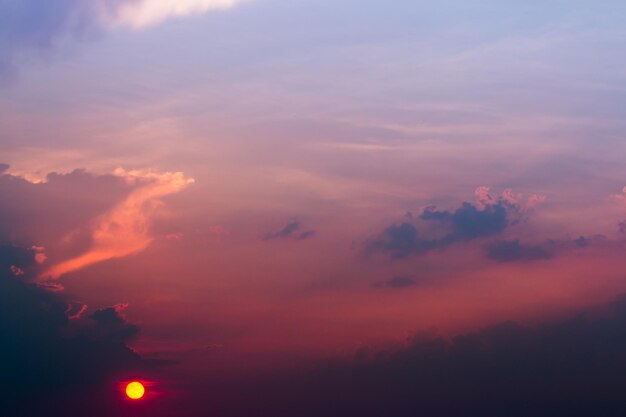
<point>461,225</point>
<point>292,230</point>
<point>513,250</point>
<point>47,361</point>
<point>396,282</point>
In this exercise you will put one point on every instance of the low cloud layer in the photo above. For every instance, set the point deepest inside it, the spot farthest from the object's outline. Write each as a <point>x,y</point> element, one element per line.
<point>573,368</point>
<point>48,351</point>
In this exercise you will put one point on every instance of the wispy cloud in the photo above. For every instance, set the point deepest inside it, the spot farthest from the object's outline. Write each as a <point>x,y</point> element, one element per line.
<point>124,230</point>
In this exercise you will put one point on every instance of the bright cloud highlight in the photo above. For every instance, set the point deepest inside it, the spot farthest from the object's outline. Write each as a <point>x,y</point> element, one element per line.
<point>145,13</point>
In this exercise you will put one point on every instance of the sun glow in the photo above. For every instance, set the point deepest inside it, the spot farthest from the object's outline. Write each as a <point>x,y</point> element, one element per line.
<point>135,390</point>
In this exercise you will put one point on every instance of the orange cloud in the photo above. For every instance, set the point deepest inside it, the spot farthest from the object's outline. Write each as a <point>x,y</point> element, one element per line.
<point>124,230</point>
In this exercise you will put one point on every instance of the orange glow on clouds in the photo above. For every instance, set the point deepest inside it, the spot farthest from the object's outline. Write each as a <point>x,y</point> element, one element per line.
<point>124,230</point>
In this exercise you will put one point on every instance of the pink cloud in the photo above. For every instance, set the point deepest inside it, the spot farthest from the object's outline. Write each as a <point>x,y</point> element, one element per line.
<point>124,230</point>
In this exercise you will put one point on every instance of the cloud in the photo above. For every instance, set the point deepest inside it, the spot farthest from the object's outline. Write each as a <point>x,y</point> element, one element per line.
<point>143,13</point>
<point>513,250</point>
<point>291,231</point>
<point>15,259</point>
<point>48,352</point>
<point>44,212</point>
<point>396,282</point>
<point>490,217</point>
<point>124,230</point>
<point>400,241</point>
<point>37,26</point>
<point>469,222</point>
<point>620,198</point>
<point>572,367</point>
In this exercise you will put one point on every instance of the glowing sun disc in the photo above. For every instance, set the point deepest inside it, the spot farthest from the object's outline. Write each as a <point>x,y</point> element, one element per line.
<point>135,390</point>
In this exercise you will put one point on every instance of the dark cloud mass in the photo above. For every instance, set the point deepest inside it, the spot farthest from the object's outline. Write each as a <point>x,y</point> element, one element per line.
<point>573,368</point>
<point>46,357</point>
<point>11,255</point>
<point>469,222</point>
<point>462,225</point>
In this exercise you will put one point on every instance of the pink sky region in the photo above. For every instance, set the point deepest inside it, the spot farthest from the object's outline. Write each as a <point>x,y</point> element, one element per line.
<point>315,208</point>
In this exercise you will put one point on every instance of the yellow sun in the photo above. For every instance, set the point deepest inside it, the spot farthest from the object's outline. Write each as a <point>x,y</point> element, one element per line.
<point>135,390</point>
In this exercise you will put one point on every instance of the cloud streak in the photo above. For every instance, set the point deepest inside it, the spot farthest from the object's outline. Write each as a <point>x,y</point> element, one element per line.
<point>292,230</point>
<point>124,230</point>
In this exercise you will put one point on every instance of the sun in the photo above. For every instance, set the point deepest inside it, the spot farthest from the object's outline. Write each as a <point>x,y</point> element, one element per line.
<point>135,390</point>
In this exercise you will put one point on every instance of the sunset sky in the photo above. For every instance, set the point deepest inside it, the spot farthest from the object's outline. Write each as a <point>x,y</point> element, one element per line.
<point>313,208</point>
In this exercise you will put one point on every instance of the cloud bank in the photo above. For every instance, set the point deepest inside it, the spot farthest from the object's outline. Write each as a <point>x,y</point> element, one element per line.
<point>568,367</point>
<point>51,354</point>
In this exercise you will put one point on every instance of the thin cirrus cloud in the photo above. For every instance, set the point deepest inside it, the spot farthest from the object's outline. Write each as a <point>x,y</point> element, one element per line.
<point>124,230</point>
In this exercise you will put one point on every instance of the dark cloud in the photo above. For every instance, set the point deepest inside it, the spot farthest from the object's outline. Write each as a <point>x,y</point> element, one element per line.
<point>292,230</point>
<point>572,368</point>
<point>11,255</point>
<point>396,282</point>
<point>513,250</point>
<point>469,222</point>
<point>401,241</point>
<point>3,168</point>
<point>47,361</point>
<point>583,242</point>
<point>462,225</point>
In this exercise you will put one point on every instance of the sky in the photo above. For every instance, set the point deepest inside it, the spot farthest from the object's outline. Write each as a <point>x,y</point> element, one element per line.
<point>313,207</point>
